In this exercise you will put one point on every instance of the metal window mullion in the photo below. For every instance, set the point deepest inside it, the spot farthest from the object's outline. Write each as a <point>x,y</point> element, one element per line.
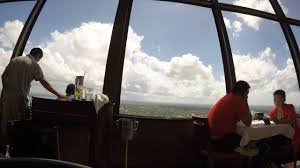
<point>225,48</point>
<point>116,54</point>
<point>191,2</point>
<point>293,21</point>
<point>228,7</point>
<point>247,11</point>
<point>289,36</point>
<point>22,40</point>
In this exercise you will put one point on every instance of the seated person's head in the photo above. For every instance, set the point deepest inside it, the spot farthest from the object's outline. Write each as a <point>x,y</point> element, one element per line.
<point>241,88</point>
<point>70,89</point>
<point>279,97</point>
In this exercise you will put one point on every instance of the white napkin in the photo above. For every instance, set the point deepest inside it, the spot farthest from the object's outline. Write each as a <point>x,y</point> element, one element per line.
<point>99,101</point>
<point>240,128</point>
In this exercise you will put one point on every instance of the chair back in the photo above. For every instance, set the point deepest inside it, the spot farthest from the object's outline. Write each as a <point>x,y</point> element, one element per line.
<point>201,131</point>
<point>298,135</point>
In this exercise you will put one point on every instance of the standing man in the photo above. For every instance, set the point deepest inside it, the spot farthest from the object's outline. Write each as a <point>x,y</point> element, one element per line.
<point>224,116</point>
<point>16,79</point>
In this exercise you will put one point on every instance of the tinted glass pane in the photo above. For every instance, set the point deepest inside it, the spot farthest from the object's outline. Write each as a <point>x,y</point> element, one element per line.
<point>173,65</point>
<point>291,8</point>
<point>75,37</point>
<point>296,30</point>
<point>261,57</point>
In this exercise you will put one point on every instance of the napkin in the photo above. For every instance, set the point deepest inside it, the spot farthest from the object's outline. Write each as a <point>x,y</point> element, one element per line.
<point>99,101</point>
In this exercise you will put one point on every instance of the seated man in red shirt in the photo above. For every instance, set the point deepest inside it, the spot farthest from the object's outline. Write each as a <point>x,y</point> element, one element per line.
<point>223,117</point>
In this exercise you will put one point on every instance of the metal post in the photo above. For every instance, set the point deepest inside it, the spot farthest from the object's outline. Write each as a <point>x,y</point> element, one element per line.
<point>22,40</point>
<point>116,54</point>
<point>225,47</point>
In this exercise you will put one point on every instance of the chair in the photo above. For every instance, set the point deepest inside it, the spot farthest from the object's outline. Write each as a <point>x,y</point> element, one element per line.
<point>286,154</point>
<point>202,137</point>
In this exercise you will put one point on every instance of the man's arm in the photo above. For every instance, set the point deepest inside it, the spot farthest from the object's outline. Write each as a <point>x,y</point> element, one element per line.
<point>245,115</point>
<point>49,87</point>
<point>247,118</point>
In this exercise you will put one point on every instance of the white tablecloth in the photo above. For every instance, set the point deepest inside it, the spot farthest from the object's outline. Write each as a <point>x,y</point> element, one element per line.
<point>259,131</point>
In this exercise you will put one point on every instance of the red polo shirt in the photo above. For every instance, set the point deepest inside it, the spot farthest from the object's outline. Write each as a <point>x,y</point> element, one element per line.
<point>288,113</point>
<point>223,117</point>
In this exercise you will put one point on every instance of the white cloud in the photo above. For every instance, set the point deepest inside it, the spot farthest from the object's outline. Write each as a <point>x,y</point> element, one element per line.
<point>235,26</point>
<point>284,75</point>
<point>227,23</point>
<point>4,57</point>
<point>263,5</point>
<point>251,21</point>
<point>265,77</point>
<point>82,49</point>
<point>183,79</point>
<point>267,54</point>
<point>184,68</point>
<point>10,32</point>
<point>254,69</point>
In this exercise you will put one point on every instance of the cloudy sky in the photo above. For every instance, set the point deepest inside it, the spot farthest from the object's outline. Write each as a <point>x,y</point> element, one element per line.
<point>172,53</point>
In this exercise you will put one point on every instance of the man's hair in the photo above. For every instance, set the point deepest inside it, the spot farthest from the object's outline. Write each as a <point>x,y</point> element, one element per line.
<point>240,87</point>
<point>280,93</point>
<point>70,89</point>
<point>36,52</point>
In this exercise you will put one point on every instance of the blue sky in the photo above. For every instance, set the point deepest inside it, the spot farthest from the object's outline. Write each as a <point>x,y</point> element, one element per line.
<point>174,38</point>
<point>15,10</point>
<point>62,15</point>
<point>251,41</point>
<point>173,30</point>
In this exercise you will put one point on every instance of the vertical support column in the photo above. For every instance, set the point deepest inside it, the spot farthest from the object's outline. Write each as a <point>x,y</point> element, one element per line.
<point>225,47</point>
<point>289,36</point>
<point>22,40</point>
<point>116,54</point>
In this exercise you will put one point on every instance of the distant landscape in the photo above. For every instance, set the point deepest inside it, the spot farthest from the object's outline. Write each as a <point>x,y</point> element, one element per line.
<point>177,110</point>
<point>164,110</point>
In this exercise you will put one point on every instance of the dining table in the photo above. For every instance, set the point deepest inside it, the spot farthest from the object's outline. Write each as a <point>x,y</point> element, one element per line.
<point>259,130</point>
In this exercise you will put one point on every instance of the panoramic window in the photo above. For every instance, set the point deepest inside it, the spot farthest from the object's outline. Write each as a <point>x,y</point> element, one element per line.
<point>12,18</point>
<point>262,5</point>
<point>173,65</point>
<point>262,57</point>
<point>75,39</point>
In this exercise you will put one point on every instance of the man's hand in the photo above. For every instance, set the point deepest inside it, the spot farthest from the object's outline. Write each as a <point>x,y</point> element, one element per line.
<point>62,97</point>
<point>276,121</point>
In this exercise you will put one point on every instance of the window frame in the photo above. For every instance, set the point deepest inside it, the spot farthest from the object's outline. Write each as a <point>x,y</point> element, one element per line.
<point>116,53</point>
